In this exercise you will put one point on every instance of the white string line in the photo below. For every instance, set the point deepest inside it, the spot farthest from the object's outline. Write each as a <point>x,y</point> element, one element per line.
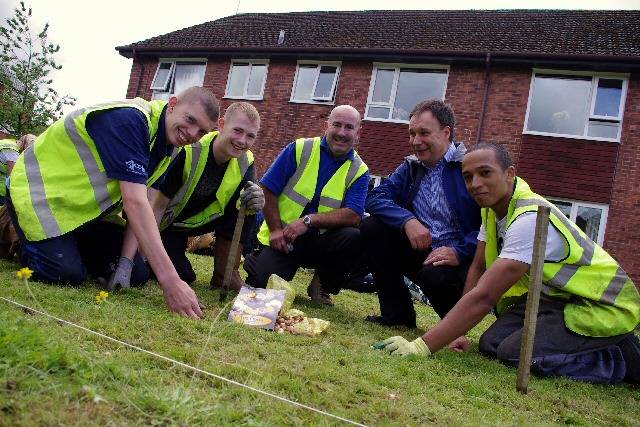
<point>185,365</point>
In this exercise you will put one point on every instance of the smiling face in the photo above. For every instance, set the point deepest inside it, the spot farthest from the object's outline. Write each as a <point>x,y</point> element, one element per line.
<point>186,122</point>
<point>237,135</point>
<point>428,138</point>
<point>342,130</point>
<point>486,181</point>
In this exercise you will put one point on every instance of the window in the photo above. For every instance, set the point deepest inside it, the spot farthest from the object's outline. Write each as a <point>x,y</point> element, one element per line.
<point>590,217</point>
<point>582,106</point>
<point>394,91</point>
<point>172,77</point>
<point>315,82</point>
<point>246,80</point>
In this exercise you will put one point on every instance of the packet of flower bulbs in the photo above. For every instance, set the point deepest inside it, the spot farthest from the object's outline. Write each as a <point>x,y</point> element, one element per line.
<point>257,307</point>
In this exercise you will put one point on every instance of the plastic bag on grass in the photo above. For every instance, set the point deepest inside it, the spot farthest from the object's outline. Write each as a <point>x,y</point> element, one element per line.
<point>310,326</point>
<point>277,282</point>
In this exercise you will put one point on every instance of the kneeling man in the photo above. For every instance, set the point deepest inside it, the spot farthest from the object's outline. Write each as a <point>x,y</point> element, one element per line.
<point>199,195</point>
<point>315,193</point>
<point>589,307</point>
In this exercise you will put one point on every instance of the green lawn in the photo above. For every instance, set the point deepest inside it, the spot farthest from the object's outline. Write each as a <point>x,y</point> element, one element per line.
<point>53,374</point>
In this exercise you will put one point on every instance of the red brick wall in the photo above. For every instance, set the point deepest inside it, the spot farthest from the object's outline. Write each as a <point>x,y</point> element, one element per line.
<point>582,170</point>
<point>568,168</point>
<point>623,225</point>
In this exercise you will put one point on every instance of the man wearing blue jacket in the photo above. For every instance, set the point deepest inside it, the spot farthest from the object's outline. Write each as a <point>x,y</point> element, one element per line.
<point>423,223</point>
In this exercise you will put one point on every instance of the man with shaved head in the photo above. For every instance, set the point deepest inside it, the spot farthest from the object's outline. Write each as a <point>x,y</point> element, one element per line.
<point>314,199</point>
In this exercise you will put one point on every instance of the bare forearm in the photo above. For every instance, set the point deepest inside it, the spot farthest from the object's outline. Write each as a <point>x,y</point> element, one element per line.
<point>343,217</point>
<point>466,314</point>
<point>142,222</point>
<point>270,210</point>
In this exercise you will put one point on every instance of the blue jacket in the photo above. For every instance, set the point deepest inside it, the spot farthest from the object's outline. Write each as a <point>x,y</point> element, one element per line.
<point>391,201</point>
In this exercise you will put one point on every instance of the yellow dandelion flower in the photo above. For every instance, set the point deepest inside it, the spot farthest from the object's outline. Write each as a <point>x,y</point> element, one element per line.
<point>24,273</point>
<point>101,297</point>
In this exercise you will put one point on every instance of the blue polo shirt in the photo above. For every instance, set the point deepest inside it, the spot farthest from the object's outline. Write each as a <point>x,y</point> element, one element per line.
<point>121,136</point>
<point>285,166</point>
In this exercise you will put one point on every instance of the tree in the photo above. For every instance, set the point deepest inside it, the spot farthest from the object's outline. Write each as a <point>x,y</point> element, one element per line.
<point>28,102</point>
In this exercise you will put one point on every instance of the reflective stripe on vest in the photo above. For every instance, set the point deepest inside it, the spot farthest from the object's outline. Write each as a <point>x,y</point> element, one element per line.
<point>602,300</point>
<point>196,157</point>
<point>301,187</point>
<point>52,198</point>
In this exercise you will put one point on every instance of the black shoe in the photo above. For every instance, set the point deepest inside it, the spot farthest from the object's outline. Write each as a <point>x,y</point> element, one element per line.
<point>381,320</point>
<point>630,348</point>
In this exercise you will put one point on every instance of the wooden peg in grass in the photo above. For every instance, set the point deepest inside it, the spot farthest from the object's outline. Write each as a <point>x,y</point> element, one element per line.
<point>533,298</point>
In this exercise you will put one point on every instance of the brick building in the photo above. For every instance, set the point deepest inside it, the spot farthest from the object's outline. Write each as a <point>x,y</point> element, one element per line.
<point>560,88</point>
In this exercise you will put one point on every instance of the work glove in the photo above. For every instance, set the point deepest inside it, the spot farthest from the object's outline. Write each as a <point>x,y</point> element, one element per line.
<point>401,347</point>
<point>252,197</point>
<point>121,277</point>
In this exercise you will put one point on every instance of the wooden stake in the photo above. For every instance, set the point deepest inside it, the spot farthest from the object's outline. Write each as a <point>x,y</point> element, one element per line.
<point>233,252</point>
<point>533,298</point>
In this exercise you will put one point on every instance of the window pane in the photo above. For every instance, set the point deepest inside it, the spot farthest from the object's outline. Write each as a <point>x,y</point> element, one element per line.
<point>325,82</point>
<point>378,112</point>
<point>602,129</point>
<point>162,77</point>
<point>588,219</point>
<point>256,80</point>
<point>238,79</point>
<point>415,86</point>
<point>304,82</point>
<point>559,105</point>
<point>565,207</point>
<point>186,76</point>
<point>382,88</point>
<point>608,98</point>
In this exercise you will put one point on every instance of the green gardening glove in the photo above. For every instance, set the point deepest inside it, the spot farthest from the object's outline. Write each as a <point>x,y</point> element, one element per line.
<point>401,347</point>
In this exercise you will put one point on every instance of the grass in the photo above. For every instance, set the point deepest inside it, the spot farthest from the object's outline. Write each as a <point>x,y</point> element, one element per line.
<point>53,374</point>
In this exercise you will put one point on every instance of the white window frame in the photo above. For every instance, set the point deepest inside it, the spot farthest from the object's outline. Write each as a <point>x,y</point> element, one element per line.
<point>576,204</point>
<point>595,78</point>
<point>394,87</point>
<point>251,63</point>
<point>169,81</point>
<point>323,101</point>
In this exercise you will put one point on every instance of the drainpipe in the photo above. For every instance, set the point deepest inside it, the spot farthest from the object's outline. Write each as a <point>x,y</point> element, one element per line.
<point>137,92</point>
<point>487,85</point>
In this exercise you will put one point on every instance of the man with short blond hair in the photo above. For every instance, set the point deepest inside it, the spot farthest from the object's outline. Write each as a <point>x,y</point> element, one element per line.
<point>315,192</point>
<point>199,195</point>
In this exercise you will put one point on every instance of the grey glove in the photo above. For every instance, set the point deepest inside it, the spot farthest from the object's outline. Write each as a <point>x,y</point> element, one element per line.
<point>121,278</point>
<point>252,197</point>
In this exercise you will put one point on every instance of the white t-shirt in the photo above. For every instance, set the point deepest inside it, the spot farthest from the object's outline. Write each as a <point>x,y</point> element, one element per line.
<point>518,239</point>
<point>8,155</point>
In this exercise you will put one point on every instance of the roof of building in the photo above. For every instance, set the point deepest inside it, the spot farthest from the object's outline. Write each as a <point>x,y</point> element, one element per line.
<point>507,32</point>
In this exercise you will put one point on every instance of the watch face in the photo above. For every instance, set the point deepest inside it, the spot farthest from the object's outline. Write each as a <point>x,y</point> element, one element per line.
<point>306,220</point>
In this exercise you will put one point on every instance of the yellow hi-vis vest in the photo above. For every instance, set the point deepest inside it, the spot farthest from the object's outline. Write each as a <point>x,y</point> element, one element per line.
<point>5,144</point>
<point>301,187</point>
<point>601,299</point>
<point>196,157</point>
<point>59,183</point>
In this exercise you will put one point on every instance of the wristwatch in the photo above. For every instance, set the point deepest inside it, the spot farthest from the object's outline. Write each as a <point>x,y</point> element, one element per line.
<point>307,221</point>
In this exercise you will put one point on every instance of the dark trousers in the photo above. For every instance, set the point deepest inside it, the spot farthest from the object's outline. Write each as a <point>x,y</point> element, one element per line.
<point>331,254</point>
<point>175,243</point>
<point>556,349</point>
<point>390,257</point>
<point>92,249</point>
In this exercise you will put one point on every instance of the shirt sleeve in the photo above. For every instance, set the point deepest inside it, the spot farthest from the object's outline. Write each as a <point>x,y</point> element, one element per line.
<point>482,234</point>
<point>121,136</point>
<point>8,155</point>
<point>518,241</point>
<point>172,179</point>
<point>356,195</point>
<point>281,170</point>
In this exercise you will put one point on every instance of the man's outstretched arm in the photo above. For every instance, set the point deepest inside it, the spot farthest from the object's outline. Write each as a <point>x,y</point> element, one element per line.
<point>180,298</point>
